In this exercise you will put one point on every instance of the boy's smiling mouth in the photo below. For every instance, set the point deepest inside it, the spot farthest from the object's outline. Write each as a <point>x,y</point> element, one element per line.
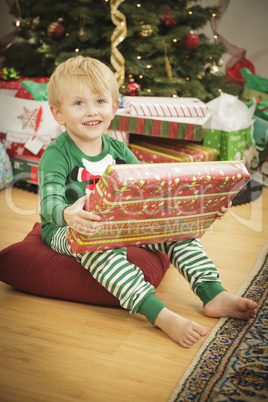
<point>92,123</point>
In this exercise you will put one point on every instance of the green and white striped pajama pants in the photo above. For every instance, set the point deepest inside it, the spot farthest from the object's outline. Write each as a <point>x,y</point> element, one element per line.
<point>126,281</point>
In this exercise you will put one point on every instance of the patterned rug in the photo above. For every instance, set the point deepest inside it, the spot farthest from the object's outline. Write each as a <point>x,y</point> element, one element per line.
<point>232,364</point>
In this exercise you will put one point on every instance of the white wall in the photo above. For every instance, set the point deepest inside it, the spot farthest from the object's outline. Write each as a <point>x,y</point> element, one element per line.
<point>244,24</point>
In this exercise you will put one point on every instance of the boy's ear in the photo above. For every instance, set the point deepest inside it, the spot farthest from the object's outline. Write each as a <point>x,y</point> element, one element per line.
<point>57,115</point>
<point>116,107</point>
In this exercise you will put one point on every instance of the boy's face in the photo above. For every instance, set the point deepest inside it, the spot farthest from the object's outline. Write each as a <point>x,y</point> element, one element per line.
<point>85,115</point>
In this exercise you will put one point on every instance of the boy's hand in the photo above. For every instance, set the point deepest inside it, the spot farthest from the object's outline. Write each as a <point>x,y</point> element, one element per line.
<point>223,211</point>
<point>83,222</point>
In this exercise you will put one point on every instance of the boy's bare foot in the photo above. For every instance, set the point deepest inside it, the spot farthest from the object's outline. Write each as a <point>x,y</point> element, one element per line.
<point>185,332</point>
<point>228,305</point>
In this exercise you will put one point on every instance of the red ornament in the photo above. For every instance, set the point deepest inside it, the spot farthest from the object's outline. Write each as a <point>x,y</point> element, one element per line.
<point>169,19</point>
<point>56,30</point>
<point>133,87</point>
<point>191,41</point>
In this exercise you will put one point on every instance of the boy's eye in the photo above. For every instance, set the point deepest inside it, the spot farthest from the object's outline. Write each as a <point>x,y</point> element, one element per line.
<point>100,101</point>
<point>79,103</point>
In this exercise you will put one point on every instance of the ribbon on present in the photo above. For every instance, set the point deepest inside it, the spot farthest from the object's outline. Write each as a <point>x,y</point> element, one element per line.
<point>7,74</point>
<point>38,118</point>
<point>118,35</point>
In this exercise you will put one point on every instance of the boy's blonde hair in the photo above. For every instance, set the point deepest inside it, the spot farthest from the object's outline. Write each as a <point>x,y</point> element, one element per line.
<point>97,75</point>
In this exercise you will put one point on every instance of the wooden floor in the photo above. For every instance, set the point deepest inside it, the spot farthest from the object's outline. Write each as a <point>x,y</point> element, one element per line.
<point>52,350</point>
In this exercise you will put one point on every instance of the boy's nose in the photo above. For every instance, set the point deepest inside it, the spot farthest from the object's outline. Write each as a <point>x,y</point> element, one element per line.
<point>91,110</point>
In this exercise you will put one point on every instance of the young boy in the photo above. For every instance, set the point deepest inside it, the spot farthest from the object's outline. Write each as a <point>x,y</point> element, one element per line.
<point>83,96</point>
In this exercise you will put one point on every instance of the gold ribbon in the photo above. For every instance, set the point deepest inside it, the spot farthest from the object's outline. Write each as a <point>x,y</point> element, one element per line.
<point>118,35</point>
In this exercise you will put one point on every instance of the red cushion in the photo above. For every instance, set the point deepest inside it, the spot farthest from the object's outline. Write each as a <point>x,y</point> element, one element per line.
<point>33,267</point>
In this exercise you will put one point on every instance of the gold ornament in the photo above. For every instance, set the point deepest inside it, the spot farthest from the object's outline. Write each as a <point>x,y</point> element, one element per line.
<point>146,30</point>
<point>36,21</point>
<point>118,35</point>
<point>56,30</point>
<point>213,69</point>
<point>168,68</point>
<point>27,24</point>
<point>167,64</point>
<point>81,32</point>
<point>220,62</point>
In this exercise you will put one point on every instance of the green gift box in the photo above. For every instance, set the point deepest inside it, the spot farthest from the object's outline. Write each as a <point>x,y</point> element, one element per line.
<point>212,139</point>
<point>230,145</point>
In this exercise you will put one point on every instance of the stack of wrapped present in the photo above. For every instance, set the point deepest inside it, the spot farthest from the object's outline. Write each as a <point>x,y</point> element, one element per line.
<point>177,118</point>
<point>165,130</point>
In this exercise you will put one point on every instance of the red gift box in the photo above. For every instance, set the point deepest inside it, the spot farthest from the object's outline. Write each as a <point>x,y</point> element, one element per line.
<point>187,128</point>
<point>158,155</point>
<point>164,151</point>
<point>152,203</point>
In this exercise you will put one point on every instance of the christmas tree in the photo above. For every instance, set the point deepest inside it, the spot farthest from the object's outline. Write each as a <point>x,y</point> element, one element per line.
<point>157,49</point>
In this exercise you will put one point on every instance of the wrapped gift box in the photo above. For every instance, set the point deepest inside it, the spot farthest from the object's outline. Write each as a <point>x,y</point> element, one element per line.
<point>230,127</point>
<point>23,120</point>
<point>261,133</point>
<point>163,106</point>
<point>118,135</point>
<point>156,155</point>
<point>6,174</point>
<point>171,151</point>
<point>185,128</point>
<point>16,84</point>
<point>25,168</point>
<point>230,145</point>
<point>150,203</point>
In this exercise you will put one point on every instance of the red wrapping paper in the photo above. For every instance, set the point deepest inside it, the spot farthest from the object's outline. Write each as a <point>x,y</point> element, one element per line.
<point>16,84</point>
<point>165,151</point>
<point>143,204</point>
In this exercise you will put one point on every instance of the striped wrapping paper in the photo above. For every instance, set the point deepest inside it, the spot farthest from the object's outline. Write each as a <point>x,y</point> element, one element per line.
<point>150,203</point>
<point>119,135</point>
<point>185,128</point>
<point>164,107</point>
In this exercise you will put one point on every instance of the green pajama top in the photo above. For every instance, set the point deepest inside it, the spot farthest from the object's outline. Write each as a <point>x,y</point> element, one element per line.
<point>67,174</point>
